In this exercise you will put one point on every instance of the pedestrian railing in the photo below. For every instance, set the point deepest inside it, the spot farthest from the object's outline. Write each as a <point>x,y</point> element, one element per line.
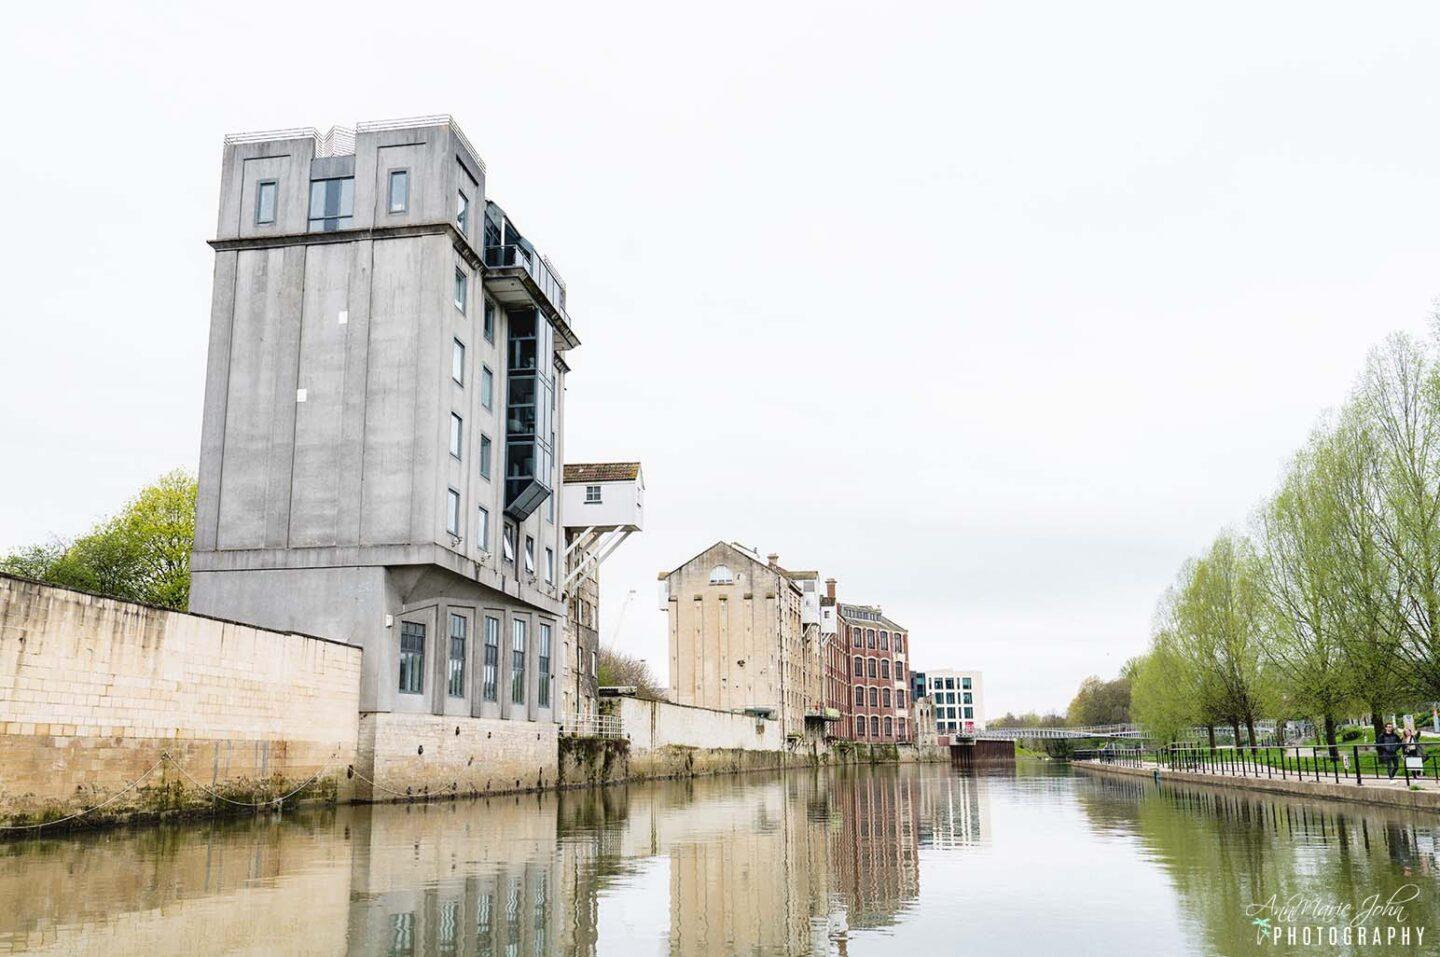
<point>592,726</point>
<point>1341,763</point>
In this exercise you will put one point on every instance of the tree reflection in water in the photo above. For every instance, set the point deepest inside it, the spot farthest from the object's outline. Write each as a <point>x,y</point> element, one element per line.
<point>1226,850</point>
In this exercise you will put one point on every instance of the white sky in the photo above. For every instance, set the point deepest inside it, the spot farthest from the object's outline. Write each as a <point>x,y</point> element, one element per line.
<point>995,312</point>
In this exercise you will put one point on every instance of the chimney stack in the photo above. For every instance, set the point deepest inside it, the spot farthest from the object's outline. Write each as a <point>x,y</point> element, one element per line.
<point>830,588</point>
<point>773,558</point>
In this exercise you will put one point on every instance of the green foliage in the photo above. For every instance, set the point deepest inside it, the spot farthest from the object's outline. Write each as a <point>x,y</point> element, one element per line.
<point>1101,702</point>
<point>1029,719</point>
<point>141,554</point>
<point>617,669</point>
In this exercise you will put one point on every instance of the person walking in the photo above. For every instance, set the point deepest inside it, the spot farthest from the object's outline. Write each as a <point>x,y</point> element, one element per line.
<point>1387,746</point>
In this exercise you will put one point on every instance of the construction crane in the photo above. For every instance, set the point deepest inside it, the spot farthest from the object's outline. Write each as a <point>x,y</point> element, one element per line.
<point>620,618</point>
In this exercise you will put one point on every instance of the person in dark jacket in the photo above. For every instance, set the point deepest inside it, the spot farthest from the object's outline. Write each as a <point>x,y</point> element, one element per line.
<point>1387,746</point>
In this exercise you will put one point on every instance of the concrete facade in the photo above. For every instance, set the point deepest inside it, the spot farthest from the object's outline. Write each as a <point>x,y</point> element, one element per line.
<point>95,692</point>
<point>739,639</point>
<point>384,410</point>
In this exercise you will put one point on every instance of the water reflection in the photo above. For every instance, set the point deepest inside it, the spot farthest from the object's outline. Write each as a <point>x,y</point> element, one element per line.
<point>861,860</point>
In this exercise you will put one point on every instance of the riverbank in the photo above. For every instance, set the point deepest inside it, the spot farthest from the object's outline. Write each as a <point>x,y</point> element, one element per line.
<point>1377,793</point>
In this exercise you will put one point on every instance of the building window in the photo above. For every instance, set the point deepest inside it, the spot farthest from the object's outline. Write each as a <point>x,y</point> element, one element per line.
<point>884,667</point>
<point>900,670</point>
<point>459,631</point>
<point>870,637</point>
<point>964,683</point>
<point>874,697</point>
<point>518,638</point>
<point>884,641</point>
<point>899,643</point>
<point>530,554</point>
<point>859,667</point>
<point>550,565</point>
<point>452,513</point>
<point>860,727</point>
<point>485,447</point>
<point>462,213</point>
<point>967,698</point>
<point>266,192</point>
<point>874,726</point>
<point>412,657</point>
<point>857,637</point>
<point>482,534</point>
<point>462,289</point>
<point>487,387</point>
<point>721,575</point>
<point>544,676</point>
<point>889,726</point>
<point>592,495</point>
<point>457,435</point>
<point>900,698</point>
<point>489,320</point>
<point>492,657</point>
<point>885,697</point>
<point>457,362</point>
<point>967,713</point>
<point>860,697</point>
<point>870,667</point>
<point>399,190</point>
<point>508,543</point>
<point>594,665</point>
<point>902,729</point>
<point>332,204</point>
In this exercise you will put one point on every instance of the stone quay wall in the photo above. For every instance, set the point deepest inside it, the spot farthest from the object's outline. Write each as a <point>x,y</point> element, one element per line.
<point>420,756</point>
<point>96,693</point>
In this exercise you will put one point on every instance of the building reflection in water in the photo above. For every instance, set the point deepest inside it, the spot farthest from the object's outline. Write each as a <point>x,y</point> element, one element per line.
<point>760,864</point>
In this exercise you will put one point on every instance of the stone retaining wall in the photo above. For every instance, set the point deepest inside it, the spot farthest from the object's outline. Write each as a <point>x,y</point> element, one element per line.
<point>95,693</point>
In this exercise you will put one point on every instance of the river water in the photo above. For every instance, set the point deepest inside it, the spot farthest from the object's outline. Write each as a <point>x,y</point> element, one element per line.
<point>914,860</point>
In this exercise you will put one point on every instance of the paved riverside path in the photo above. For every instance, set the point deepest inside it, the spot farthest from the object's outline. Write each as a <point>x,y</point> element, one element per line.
<point>1372,791</point>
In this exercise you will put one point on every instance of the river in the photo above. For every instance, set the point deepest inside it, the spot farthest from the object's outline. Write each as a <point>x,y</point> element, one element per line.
<point>914,860</point>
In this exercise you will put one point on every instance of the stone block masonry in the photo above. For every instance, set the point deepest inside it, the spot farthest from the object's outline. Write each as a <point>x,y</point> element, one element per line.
<point>95,693</point>
<point>417,756</point>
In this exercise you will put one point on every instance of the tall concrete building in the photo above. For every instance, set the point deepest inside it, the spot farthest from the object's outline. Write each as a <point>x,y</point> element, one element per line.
<point>745,635</point>
<point>384,410</point>
<point>603,504</point>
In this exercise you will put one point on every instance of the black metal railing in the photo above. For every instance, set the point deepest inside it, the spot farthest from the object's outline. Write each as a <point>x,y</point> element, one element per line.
<point>1342,763</point>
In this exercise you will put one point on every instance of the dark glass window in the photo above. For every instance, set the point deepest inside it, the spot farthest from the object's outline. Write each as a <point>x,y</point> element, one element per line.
<point>870,667</point>
<point>874,697</point>
<point>332,204</point>
<point>860,696</point>
<point>860,727</point>
<point>266,192</point>
<point>412,657</point>
<point>884,641</point>
<point>884,667</point>
<point>489,320</point>
<point>859,667</point>
<point>544,663</point>
<point>529,414</point>
<point>889,726</point>
<point>885,697</point>
<point>459,628</point>
<point>492,657</point>
<point>964,683</point>
<point>870,637</point>
<point>485,462</point>
<point>518,638</point>
<point>874,726</point>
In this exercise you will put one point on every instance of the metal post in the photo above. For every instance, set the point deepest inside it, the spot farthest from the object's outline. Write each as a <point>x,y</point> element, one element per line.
<point>1356,749</point>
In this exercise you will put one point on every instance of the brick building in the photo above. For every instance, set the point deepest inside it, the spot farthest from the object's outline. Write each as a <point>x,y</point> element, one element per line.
<point>878,650</point>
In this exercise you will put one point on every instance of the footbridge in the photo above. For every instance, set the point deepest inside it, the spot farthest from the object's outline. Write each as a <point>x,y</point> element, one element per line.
<point>1031,734</point>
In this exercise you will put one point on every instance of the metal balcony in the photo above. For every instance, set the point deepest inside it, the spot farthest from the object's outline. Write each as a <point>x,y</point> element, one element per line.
<point>517,275</point>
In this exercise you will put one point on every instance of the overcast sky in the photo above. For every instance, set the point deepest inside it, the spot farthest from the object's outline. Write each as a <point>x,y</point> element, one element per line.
<point>994,312</point>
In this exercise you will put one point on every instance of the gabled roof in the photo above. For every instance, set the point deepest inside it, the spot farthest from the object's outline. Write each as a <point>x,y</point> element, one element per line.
<point>602,471</point>
<point>880,620</point>
<point>750,555</point>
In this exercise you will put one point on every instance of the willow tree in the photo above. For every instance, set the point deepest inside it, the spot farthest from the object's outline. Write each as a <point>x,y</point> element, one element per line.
<point>1220,621</point>
<point>1399,396</point>
<point>1367,604</point>
<point>1299,571</point>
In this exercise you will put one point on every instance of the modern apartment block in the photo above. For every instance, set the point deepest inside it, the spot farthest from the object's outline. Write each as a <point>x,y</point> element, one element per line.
<point>603,504</point>
<point>383,424</point>
<point>745,636</point>
<point>879,683</point>
<point>959,700</point>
